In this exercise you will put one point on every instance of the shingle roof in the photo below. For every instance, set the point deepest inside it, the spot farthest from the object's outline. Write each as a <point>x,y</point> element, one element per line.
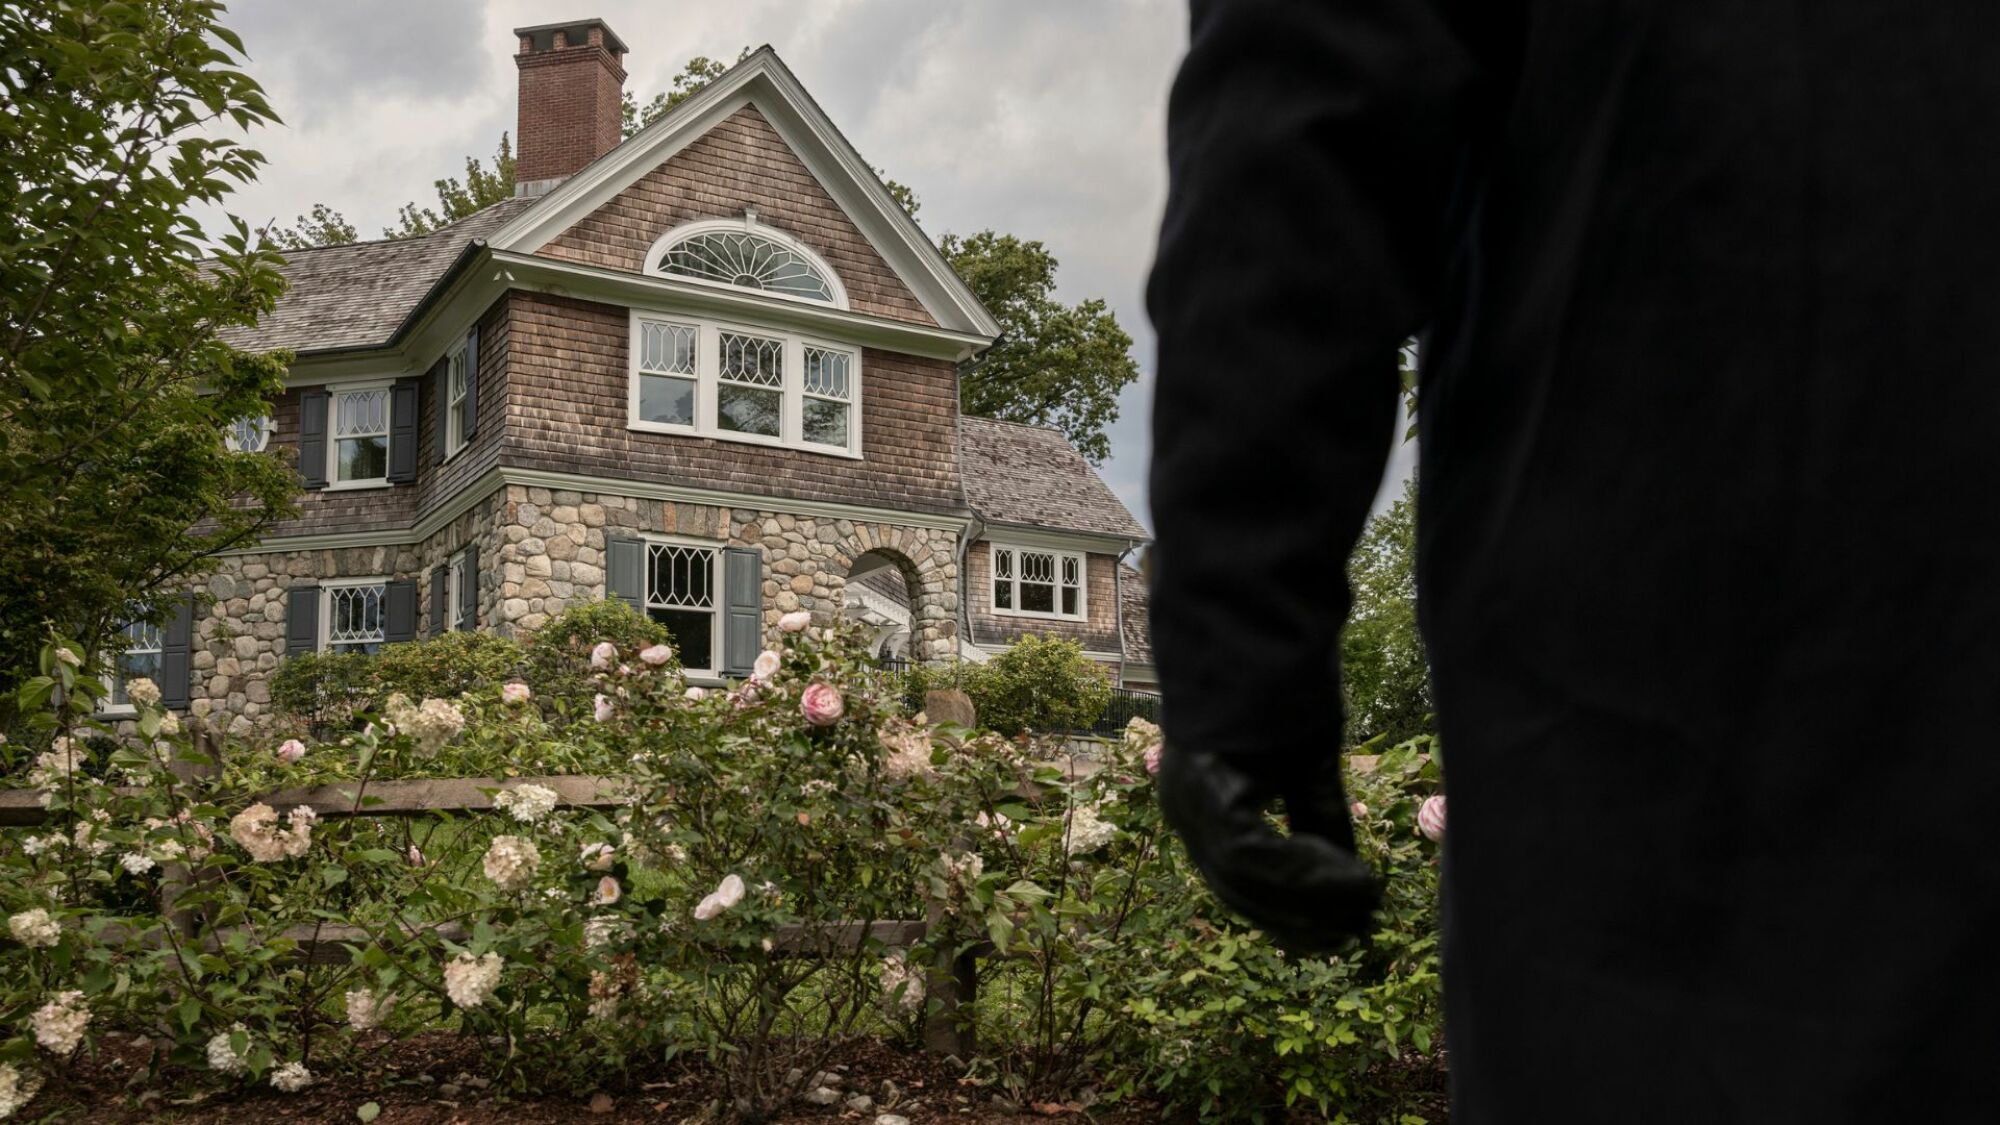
<point>357,295</point>
<point>1031,476</point>
<point>1133,600</point>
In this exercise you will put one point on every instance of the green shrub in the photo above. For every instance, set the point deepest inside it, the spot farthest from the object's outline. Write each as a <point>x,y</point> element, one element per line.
<point>1039,685</point>
<point>322,692</point>
<point>557,656</point>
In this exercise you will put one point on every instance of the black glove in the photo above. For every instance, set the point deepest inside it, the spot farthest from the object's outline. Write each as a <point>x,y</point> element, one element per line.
<point>1308,890</point>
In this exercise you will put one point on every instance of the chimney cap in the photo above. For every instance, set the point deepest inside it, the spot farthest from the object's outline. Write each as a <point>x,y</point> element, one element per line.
<point>611,40</point>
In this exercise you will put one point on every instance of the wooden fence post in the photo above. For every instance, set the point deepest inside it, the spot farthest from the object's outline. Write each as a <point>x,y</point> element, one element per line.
<point>951,983</point>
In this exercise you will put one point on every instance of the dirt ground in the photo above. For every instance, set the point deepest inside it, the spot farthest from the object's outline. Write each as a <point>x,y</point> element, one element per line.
<point>432,1080</point>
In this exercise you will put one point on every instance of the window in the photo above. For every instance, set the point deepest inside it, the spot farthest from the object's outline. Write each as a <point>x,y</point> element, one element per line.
<point>749,258</point>
<point>140,660</point>
<point>736,383</point>
<point>455,609</point>
<point>456,380</point>
<point>667,377</point>
<point>248,435</point>
<point>1037,583</point>
<point>352,615</point>
<point>360,445</point>
<point>681,586</point>
<point>751,396</point>
<point>823,418</point>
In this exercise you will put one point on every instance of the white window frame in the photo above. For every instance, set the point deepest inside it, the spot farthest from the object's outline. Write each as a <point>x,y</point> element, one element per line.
<point>114,676</point>
<point>232,437</point>
<point>457,381</point>
<point>746,224</point>
<point>1014,551</point>
<point>333,435</point>
<point>707,379</point>
<point>326,589</point>
<point>455,577</point>
<point>717,562</point>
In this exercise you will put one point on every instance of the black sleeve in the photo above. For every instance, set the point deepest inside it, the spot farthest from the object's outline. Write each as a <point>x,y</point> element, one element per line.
<point>1312,149</point>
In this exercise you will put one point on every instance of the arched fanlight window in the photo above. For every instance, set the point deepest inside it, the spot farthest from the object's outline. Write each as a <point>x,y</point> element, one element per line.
<point>747,255</point>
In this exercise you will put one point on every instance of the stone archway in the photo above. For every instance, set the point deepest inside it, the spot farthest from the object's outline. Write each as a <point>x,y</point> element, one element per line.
<point>910,598</point>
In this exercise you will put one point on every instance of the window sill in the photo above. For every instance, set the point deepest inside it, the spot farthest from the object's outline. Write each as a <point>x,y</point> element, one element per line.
<point>355,485</point>
<point>1031,615</point>
<point>743,439</point>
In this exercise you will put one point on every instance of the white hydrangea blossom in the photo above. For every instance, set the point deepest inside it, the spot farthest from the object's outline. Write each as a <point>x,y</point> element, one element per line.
<point>430,725</point>
<point>34,928</point>
<point>727,893</point>
<point>54,766</point>
<point>16,1090</point>
<point>85,839</point>
<point>59,1024</point>
<point>136,863</point>
<point>366,1009</point>
<point>256,830</point>
<point>964,868</point>
<point>222,1056</point>
<point>291,1078</point>
<point>604,930</point>
<point>897,974</point>
<point>511,862</point>
<point>527,803</point>
<point>143,692</point>
<point>1087,831</point>
<point>469,980</point>
<point>36,845</point>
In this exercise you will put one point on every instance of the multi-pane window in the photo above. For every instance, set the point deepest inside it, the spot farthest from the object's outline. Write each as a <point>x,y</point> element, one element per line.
<point>139,660</point>
<point>354,620</point>
<point>1037,583</point>
<point>748,261</point>
<point>667,374</point>
<point>682,585</point>
<point>750,395</point>
<point>828,391</point>
<point>248,435</point>
<point>457,381</point>
<point>456,609</point>
<point>725,381</point>
<point>360,446</point>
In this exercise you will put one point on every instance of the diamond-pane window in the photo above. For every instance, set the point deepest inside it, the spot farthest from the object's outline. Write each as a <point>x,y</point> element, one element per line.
<point>667,377</point>
<point>1038,583</point>
<point>141,659</point>
<point>749,261</point>
<point>680,594</point>
<point>361,435</point>
<point>354,618</point>
<point>823,412</point>
<point>750,397</point>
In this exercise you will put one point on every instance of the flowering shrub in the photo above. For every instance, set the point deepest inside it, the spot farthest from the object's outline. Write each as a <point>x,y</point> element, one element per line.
<point>724,907</point>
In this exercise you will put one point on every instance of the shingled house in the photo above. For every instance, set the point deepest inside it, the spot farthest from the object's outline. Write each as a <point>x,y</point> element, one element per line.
<point>709,369</point>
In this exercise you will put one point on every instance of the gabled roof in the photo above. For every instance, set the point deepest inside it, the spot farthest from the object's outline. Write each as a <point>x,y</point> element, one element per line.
<point>1134,601</point>
<point>343,298</point>
<point>1031,476</point>
<point>764,81</point>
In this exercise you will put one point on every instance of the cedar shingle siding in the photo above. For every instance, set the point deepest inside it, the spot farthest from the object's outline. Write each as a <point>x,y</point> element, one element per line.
<point>742,162</point>
<point>1097,634</point>
<point>569,379</point>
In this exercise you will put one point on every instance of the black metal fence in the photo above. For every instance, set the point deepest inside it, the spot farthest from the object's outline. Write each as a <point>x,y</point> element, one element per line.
<point>1125,703</point>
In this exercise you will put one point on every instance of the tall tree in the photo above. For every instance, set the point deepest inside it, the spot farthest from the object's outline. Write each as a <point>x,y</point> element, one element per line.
<point>1055,364</point>
<point>116,490</point>
<point>699,71</point>
<point>1383,673</point>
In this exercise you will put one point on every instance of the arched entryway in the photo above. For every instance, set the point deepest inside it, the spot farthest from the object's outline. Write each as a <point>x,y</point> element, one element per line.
<point>885,593</point>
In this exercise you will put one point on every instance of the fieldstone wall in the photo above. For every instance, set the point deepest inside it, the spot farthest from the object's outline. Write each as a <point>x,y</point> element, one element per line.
<point>539,551</point>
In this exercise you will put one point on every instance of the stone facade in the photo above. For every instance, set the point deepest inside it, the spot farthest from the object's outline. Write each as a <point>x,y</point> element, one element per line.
<point>542,550</point>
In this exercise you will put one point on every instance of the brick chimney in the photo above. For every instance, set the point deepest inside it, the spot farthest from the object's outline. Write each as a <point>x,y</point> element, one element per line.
<point>572,77</point>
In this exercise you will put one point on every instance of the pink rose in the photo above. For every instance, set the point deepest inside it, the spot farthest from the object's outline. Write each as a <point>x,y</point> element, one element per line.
<point>795,621</point>
<point>656,655</point>
<point>821,705</point>
<point>603,655</point>
<point>766,666</point>
<point>696,695</point>
<point>515,693</point>
<point>291,750</point>
<point>1430,818</point>
<point>1360,811</point>
<point>602,708</point>
<point>1153,759</point>
<point>608,891</point>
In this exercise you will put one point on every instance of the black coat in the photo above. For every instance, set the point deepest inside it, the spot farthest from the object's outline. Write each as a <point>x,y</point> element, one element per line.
<point>1709,540</point>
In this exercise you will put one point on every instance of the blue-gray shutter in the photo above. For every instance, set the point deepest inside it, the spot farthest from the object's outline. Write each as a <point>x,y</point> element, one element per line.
<point>440,377</point>
<point>472,383</point>
<point>403,433</point>
<point>399,611</point>
<point>312,438</point>
<point>625,572</point>
<point>176,650</point>
<point>439,610</point>
<point>302,618</point>
<point>742,609</point>
<point>468,591</point>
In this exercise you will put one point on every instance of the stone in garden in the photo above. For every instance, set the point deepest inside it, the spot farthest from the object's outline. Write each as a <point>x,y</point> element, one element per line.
<point>892,1119</point>
<point>823,1095</point>
<point>861,1103</point>
<point>949,705</point>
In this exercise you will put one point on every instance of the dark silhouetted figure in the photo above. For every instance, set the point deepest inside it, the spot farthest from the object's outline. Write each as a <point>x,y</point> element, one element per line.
<point>1709,543</point>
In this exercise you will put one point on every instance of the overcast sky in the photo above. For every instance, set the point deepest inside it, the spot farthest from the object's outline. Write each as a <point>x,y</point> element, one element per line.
<point>1040,118</point>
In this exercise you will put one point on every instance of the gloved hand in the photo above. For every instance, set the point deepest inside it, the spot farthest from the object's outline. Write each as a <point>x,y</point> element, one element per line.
<point>1308,890</point>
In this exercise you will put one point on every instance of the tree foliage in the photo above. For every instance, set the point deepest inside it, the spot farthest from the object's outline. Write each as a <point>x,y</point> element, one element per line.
<point>1384,676</point>
<point>483,188</point>
<point>115,382</point>
<point>699,71</point>
<point>1055,364</point>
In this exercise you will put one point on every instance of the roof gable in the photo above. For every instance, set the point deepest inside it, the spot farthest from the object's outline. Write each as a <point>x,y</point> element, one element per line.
<point>763,84</point>
<point>740,162</point>
<point>1031,476</point>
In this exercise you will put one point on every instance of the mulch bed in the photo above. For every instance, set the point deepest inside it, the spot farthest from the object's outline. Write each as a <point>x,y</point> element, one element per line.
<point>433,1080</point>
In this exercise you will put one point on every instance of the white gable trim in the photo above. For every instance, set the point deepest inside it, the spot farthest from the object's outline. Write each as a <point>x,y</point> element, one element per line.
<point>763,81</point>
